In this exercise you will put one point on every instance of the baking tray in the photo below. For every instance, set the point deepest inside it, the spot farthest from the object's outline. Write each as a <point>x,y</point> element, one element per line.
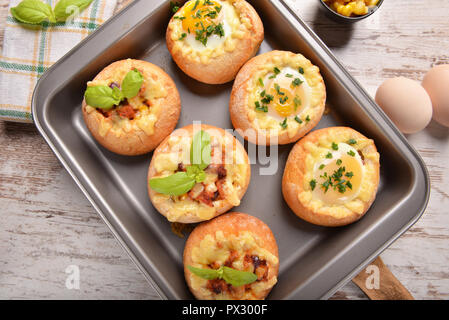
<point>314,261</point>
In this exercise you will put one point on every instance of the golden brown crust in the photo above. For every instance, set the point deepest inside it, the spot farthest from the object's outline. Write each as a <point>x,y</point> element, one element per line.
<point>292,183</point>
<point>136,142</point>
<point>225,207</point>
<point>238,104</point>
<point>223,68</point>
<point>231,223</point>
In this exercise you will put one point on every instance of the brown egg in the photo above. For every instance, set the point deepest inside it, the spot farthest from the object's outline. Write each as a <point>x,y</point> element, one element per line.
<point>406,103</point>
<point>436,82</point>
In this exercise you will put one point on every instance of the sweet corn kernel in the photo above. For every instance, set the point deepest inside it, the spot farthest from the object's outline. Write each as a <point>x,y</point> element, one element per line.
<point>350,8</point>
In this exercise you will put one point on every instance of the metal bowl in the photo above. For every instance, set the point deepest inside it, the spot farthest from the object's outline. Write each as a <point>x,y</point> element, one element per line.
<point>341,18</point>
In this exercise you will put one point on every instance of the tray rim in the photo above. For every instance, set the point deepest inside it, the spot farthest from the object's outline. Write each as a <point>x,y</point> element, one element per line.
<point>294,15</point>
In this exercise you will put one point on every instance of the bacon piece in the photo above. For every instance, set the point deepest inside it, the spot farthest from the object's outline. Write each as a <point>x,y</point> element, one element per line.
<point>220,188</point>
<point>218,286</point>
<point>206,198</point>
<point>214,265</point>
<point>105,114</point>
<point>181,167</point>
<point>199,193</point>
<point>260,266</point>
<point>232,257</point>
<point>126,111</point>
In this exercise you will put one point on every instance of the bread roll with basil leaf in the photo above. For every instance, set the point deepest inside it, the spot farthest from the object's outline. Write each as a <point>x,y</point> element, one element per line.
<point>198,173</point>
<point>131,106</point>
<point>231,257</point>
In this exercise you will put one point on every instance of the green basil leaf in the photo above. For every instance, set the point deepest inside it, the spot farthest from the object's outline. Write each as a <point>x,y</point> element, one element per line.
<point>238,278</point>
<point>101,97</point>
<point>66,8</point>
<point>117,94</point>
<point>175,185</point>
<point>195,172</point>
<point>132,83</point>
<point>200,177</point>
<point>200,151</point>
<point>208,274</point>
<point>33,12</point>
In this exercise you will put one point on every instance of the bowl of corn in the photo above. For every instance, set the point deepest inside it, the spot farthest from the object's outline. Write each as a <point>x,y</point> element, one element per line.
<point>351,10</point>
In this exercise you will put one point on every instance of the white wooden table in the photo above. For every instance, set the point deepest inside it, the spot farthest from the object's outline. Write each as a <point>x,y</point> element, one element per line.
<point>46,224</point>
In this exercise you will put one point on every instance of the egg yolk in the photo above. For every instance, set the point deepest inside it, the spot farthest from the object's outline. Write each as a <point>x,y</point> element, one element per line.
<point>339,180</point>
<point>286,99</point>
<point>199,15</point>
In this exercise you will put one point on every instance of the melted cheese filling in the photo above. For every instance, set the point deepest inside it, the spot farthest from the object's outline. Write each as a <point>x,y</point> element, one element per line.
<point>216,250</point>
<point>298,104</point>
<point>183,30</point>
<point>178,151</point>
<point>146,117</point>
<point>363,167</point>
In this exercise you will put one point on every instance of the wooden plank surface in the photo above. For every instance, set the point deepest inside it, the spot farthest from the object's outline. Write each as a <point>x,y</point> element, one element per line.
<point>46,224</point>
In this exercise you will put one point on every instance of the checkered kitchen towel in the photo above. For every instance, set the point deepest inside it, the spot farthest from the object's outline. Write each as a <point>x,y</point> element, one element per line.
<point>28,51</point>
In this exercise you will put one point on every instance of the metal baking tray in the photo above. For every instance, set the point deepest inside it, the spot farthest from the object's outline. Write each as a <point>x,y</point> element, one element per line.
<point>314,261</point>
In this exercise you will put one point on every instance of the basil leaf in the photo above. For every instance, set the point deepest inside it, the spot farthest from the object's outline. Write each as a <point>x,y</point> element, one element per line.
<point>117,94</point>
<point>65,8</point>
<point>101,97</point>
<point>132,83</point>
<point>174,185</point>
<point>208,274</point>
<point>33,12</point>
<point>196,173</point>
<point>238,278</point>
<point>200,151</point>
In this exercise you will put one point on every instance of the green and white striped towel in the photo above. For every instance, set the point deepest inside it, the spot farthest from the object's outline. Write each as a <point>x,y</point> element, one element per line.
<point>28,51</point>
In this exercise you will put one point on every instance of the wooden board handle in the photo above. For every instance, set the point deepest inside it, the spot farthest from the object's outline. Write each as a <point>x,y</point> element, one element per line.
<point>379,283</point>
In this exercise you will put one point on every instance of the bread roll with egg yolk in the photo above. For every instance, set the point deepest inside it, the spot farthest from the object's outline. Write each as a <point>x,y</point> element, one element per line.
<point>331,176</point>
<point>226,180</point>
<point>139,124</point>
<point>277,98</point>
<point>236,240</point>
<point>211,40</point>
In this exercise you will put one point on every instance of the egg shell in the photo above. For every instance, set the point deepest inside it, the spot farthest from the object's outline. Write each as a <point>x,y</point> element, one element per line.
<point>436,83</point>
<point>406,103</point>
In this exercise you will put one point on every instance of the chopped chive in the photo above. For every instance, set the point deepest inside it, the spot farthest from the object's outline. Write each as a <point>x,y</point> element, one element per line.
<point>352,141</point>
<point>301,70</point>
<point>334,146</point>
<point>197,2</point>
<point>351,153</point>
<point>261,82</point>
<point>307,118</point>
<point>182,36</point>
<point>297,82</point>
<point>339,162</point>
<point>297,102</point>
<point>322,167</point>
<point>284,124</point>
<point>278,89</point>
<point>312,184</point>
<point>288,75</point>
<point>349,174</point>
<point>283,100</point>
<point>297,119</point>
<point>329,156</point>
<point>262,94</point>
<point>260,108</point>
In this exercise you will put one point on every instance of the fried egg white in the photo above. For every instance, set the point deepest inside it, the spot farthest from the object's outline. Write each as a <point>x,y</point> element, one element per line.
<point>200,16</point>
<point>346,165</point>
<point>290,93</point>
